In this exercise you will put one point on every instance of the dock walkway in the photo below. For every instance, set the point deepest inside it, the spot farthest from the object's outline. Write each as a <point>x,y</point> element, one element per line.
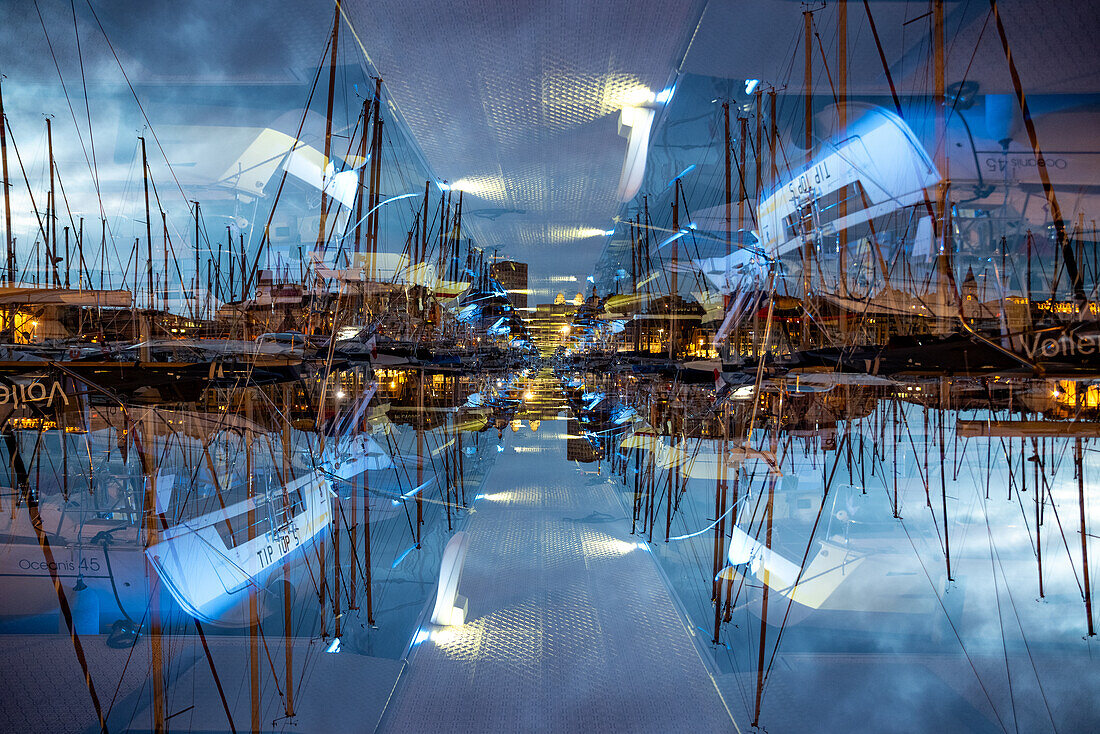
<point>570,627</point>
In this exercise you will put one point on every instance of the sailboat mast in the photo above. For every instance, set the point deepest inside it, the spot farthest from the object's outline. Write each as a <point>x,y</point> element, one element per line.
<point>164,286</point>
<point>758,152</point>
<point>457,236</point>
<point>1062,242</point>
<point>9,252</point>
<point>442,256</point>
<point>943,259</point>
<point>764,603</point>
<point>741,160</point>
<point>242,265</point>
<point>808,21</point>
<point>842,118</point>
<point>82,269</point>
<point>719,545</point>
<point>674,288</point>
<point>353,516</point>
<point>419,453</point>
<point>643,244</point>
<point>362,167</point>
<point>144,443</point>
<point>148,223</point>
<point>773,135</point>
<point>229,248</point>
<point>634,293</point>
<point>375,176</point>
<point>328,128</point>
<point>729,180</point>
<point>1080,457</point>
<point>51,219</point>
<point>366,548</point>
<point>337,583</point>
<point>253,607</point>
<point>198,269</point>
<point>423,254</point>
<point>287,619</point>
<point>842,206</point>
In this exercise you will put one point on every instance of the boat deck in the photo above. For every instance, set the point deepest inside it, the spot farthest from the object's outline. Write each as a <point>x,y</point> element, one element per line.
<point>571,626</point>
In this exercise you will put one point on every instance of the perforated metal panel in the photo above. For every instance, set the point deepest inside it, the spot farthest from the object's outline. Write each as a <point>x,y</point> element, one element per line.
<point>519,102</point>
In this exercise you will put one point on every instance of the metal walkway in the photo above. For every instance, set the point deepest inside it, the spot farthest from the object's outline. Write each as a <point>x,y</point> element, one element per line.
<point>571,626</point>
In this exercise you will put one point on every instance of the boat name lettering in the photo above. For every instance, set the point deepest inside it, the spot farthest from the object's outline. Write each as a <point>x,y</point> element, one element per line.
<point>1063,346</point>
<point>35,392</point>
<point>86,564</point>
<point>280,547</point>
<point>806,182</point>
<point>1000,164</point>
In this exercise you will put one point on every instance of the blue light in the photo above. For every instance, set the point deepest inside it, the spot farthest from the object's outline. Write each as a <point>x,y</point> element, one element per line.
<point>609,232</point>
<point>411,492</point>
<point>401,557</point>
<point>708,527</point>
<point>682,173</point>
<point>381,204</point>
<point>751,85</point>
<point>665,94</point>
<point>334,646</point>
<point>672,238</point>
<point>394,198</point>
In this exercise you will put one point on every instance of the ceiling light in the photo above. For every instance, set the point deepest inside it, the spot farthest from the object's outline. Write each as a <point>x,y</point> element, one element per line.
<point>481,186</point>
<point>634,125</point>
<point>639,95</point>
<point>580,232</point>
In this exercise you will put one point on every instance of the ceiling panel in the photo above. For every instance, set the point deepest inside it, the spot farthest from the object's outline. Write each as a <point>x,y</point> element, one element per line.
<point>518,102</point>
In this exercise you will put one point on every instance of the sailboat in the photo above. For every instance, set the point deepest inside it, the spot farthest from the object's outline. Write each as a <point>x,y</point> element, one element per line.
<point>210,563</point>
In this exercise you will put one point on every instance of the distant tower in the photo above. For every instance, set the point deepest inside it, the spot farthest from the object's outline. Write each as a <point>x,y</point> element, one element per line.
<point>969,292</point>
<point>970,287</point>
<point>513,277</point>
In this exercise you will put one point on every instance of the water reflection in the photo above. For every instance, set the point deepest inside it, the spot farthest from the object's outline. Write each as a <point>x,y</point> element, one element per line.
<point>317,507</point>
<point>821,530</point>
<point>818,515</point>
